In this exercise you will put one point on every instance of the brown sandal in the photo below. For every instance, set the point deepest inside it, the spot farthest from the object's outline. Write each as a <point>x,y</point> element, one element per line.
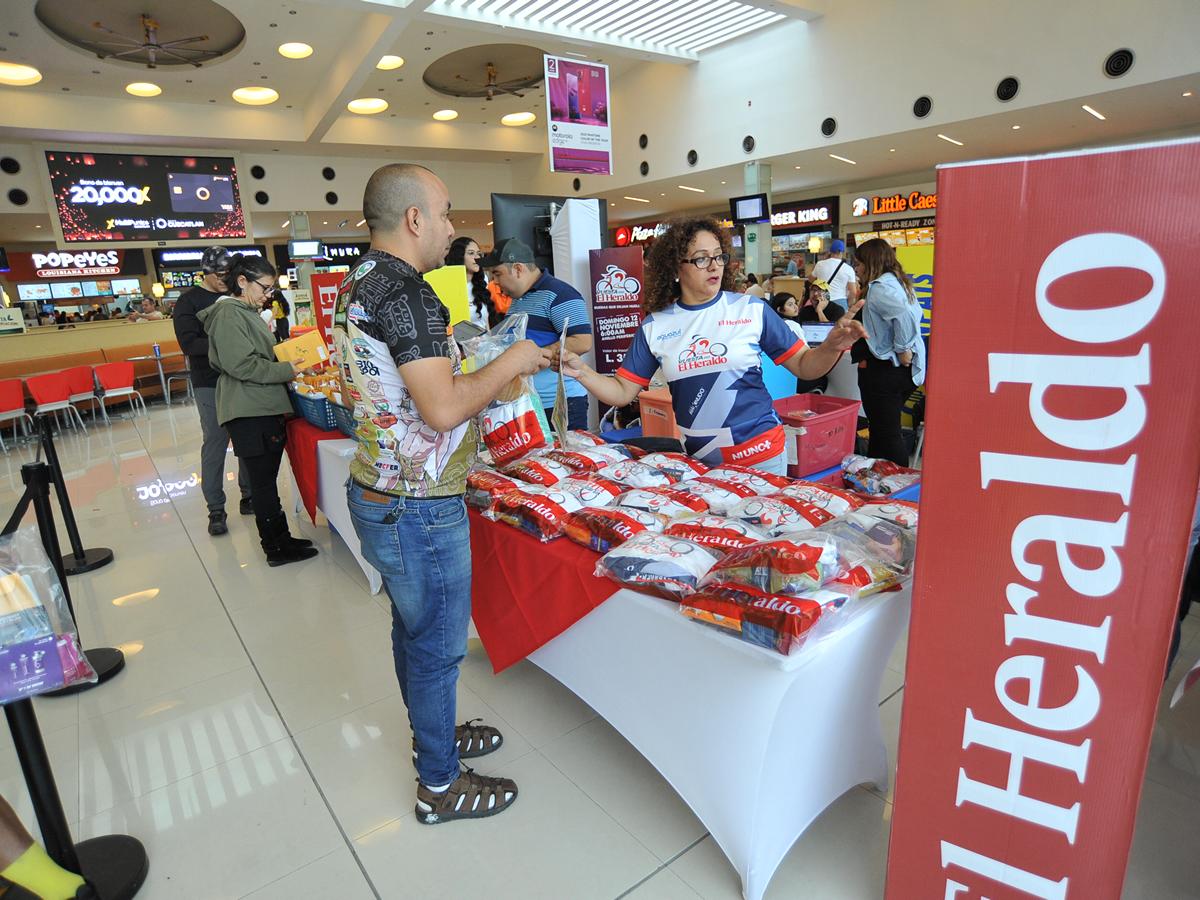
<point>470,796</point>
<point>473,740</point>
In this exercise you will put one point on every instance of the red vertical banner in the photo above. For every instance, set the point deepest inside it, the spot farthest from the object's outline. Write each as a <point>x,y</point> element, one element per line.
<point>617,280</point>
<point>325,290</point>
<point>1061,465</point>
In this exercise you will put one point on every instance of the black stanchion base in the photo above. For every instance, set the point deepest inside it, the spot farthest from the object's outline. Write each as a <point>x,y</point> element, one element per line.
<point>115,864</point>
<point>92,559</point>
<point>106,661</point>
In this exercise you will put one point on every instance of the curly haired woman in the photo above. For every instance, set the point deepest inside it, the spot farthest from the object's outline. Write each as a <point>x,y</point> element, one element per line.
<point>708,341</point>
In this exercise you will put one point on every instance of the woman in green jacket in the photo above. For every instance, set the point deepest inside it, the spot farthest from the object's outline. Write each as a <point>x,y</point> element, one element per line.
<point>252,399</point>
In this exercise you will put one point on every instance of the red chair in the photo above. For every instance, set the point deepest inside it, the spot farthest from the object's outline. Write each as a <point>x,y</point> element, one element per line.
<point>82,382</point>
<point>116,380</point>
<point>52,393</point>
<point>12,408</point>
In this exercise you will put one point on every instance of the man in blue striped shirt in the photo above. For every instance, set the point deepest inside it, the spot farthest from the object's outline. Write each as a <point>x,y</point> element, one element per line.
<point>551,304</point>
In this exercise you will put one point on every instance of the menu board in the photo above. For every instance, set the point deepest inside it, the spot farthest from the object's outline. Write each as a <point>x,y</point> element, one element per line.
<point>124,286</point>
<point>66,290</point>
<point>863,237</point>
<point>33,291</point>
<point>916,236</point>
<point>97,288</point>
<point>896,238</point>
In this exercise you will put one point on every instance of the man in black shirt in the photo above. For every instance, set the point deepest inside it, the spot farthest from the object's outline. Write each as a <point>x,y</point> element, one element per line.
<point>193,341</point>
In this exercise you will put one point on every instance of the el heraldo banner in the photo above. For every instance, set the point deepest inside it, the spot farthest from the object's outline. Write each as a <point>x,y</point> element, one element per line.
<point>1061,467</point>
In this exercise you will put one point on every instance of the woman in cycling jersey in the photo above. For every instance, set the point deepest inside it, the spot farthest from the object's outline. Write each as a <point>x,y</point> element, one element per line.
<point>708,341</point>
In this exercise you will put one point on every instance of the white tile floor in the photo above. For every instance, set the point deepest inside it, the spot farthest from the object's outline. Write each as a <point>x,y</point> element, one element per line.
<point>258,746</point>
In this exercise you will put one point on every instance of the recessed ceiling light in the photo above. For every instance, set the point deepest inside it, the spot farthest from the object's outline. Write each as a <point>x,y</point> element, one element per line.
<point>324,223</point>
<point>794,167</point>
<point>295,50</point>
<point>256,96</point>
<point>489,225</point>
<point>446,115</point>
<point>951,140</point>
<point>361,223</point>
<point>612,204</point>
<point>286,223</point>
<point>18,75</point>
<point>666,195</point>
<point>842,159</point>
<point>1187,93</point>
<point>636,199</point>
<point>1016,128</point>
<point>37,226</point>
<point>387,63</point>
<point>367,106</point>
<point>143,89</point>
<point>891,149</point>
<point>516,119</point>
<point>1090,111</point>
<point>663,195</point>
<point>684,187</point>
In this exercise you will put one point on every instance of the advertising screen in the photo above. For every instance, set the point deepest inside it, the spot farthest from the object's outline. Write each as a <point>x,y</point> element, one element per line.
<point>33,291</point>
<point>124,286</point>
<point>97,288</point>
<point>66,290</point>
<point>144,199</point>
<point>580,126</point>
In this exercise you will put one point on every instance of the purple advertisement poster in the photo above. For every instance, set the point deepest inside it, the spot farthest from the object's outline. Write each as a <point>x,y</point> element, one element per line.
<point>616,303</point>
<point>580,125</point>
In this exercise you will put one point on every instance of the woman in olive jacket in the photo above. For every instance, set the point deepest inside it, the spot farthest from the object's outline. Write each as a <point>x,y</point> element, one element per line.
<point>252,399</point>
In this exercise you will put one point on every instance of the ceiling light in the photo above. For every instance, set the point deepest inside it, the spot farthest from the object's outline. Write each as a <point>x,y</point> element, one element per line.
<point>666,195</point>
<point>18,75</point>
<point>324,223</point>
<point>446,115</point>
<point>295,50</point>
<point>387,63</point>
<point>684,187</point>
<point>891,149</point>
<point>1090,111</point>
<point>794,167</point>
<point>143,89</point>
<point>1187,93</point>
<point>842,159</point>
<point>1016,128</point>
<point>361,223</point>
<point>286,223</point>
<point>37,226</point>
<point>515,119</point>
<point>612,204</point>
<point>367,106</point>
<point>951,140</point>
<point>637,199</point>
<point>489,224</point>
<point>256,96</point>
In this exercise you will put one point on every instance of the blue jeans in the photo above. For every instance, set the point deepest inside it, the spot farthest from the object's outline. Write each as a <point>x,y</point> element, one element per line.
<point>577,413</point>
<point>422,548</point>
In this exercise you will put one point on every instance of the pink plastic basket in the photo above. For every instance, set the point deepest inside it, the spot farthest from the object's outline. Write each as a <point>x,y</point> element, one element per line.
<point>824,429</point>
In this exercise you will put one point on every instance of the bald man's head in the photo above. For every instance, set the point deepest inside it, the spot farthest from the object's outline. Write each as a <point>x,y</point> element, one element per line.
<point>409,205</point>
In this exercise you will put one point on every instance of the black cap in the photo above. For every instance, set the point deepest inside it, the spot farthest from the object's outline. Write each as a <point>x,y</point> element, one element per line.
<point>507,252</point>
<point>216,259</point>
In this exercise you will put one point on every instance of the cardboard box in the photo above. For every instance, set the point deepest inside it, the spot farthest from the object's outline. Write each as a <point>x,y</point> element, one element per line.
<point>309,348</point>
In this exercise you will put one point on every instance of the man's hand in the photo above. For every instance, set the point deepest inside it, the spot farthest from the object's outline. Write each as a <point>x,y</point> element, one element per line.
<point>570,364</point>
<point>848,330</point>
<point>529,356</point>
<point>298,366</point>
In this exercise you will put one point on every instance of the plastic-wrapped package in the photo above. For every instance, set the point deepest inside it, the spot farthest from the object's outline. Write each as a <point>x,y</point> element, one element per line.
<point>592,490</point>
<point>716,532</point>
<point>763,483</point>
<point>538,470</point>
<point>877,476</point>
<point>537,510</point>
<point>721,496</point>
<point>485,485</point>
<point>581,440</point>
<point>663,501</point>
<point>676,466</point>
<point>603,527</point>
<point>864,578</point>
<point>901,512</point>
<point>39,646</point>
<point>777,623</point>
<point>637,474</point>
<point>591,459</point>
<point>656,564</point>
<point>793,564</point>
<point>779,514</point>
<point>876,538</point>
<point>835,501</point>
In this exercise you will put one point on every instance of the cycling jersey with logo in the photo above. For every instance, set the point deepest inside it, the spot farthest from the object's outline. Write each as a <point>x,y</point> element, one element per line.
<point>388,315</point>
<point>711,357</point>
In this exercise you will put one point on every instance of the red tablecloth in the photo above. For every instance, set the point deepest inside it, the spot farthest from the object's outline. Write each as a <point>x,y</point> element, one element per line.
<point>302,440</point>
<point>525,593</point>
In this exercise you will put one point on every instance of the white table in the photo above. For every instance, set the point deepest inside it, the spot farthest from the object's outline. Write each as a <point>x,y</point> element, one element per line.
<point>333,468</point>
<point>757,744</point>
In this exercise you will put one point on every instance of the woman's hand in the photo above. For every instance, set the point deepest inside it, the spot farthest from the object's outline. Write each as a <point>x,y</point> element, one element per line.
<point>570,364</point>
<point>847,331</point>
<point>299,366</point>
<point>905,358</point>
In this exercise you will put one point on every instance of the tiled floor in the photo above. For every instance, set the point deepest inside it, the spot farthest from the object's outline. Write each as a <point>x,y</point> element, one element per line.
<point>258,746</point>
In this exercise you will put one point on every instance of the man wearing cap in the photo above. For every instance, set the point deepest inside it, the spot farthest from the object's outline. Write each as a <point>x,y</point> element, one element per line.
<point>553,307</point>
<point>193,341</point>
<point>838,274</point>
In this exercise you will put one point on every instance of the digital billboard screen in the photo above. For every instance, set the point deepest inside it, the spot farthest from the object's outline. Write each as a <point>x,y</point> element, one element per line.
<point>144,199</point>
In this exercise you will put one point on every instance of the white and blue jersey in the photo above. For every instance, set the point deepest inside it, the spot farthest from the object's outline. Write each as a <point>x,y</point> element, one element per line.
<point>711,356</point>
<point>549,303</point>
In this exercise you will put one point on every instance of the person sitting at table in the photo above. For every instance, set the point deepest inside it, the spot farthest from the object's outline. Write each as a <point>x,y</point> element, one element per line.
<point>148,312</point>
<point>252,399</point>
<point>709,342</point>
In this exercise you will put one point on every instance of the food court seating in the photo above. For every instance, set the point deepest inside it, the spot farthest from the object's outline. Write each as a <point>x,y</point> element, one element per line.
<point>12,407</point>
<point>52,394</point>
<point>82,382</point>
<point>116,381</point>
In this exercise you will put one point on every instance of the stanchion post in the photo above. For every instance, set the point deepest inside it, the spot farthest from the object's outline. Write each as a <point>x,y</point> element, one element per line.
<point>80,560</point>
<point>39,778</point>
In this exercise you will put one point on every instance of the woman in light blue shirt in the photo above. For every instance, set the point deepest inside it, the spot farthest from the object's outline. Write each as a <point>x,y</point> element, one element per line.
<point>891,359</point>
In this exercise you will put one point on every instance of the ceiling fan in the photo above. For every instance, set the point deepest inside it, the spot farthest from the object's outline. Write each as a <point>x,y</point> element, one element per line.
<point>491,88</point>
<point>151,47</point>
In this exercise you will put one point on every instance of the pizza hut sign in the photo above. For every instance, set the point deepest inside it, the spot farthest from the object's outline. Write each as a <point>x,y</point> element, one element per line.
<point>72,265</point>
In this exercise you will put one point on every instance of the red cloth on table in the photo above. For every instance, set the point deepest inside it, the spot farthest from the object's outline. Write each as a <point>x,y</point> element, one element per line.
<point>525,593</point>
<point>302,440</point>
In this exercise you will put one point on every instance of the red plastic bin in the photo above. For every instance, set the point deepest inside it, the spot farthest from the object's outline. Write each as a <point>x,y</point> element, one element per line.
<point>658,416</point>
<point>824,429</point>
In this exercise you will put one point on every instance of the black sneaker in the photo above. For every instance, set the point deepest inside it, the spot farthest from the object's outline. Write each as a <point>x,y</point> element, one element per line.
<point>216,524</point>
<point>246,506</point>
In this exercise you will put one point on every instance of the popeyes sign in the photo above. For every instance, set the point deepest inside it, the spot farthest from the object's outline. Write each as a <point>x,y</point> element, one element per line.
<point>913,201</point>
<point>1054,530</point>
<point>62,264</point>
